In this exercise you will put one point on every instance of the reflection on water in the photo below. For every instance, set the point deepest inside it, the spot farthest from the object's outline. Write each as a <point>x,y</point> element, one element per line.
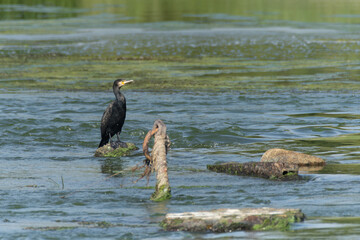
<point>203,11</point>
<point>111,166</point>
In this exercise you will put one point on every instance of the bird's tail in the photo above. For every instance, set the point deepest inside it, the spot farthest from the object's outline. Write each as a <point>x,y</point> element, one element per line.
<point>103,142</point>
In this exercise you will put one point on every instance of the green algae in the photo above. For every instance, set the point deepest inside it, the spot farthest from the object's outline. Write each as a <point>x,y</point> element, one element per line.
<point>340,140</point>
<point>38,59</point>
<point>353,169</point>
<point>140,187</point>
<point>260,221</point>
<point>66,11</point>
<point>341,220</point>
<point>175,224</point>
<point>274,223</point>
<point>92,73</point>
<point>161,193</point>
<point>57,228</point>
<point>119,152</point>
<point>280,222</point>
<point>345,144</point>
<point>193,187</point>
<point>64,225</point>
<point>108,151</point>
<point>327,115</point>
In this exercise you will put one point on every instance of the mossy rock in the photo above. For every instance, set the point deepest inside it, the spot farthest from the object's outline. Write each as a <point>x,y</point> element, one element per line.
<point>119,151</point>
<point>227,220</point>
<point>281,171</point>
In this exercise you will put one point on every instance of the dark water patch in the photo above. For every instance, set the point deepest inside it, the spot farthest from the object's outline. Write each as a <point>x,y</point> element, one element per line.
<point>192,187</point>
<point>341,169</point>
<point>18,10</point>
<point>65,111</point>
<point>269,73</point>
<point>337,141</point>
<point>62,120</point>
<point>226,17</point>
<point>19,81</point>
<point>328,115</point>
<point>16,206</point>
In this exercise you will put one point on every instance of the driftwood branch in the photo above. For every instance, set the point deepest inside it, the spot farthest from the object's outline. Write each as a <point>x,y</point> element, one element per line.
<point>146,143</point>
<point>227,220</point>
<point>156,161</point>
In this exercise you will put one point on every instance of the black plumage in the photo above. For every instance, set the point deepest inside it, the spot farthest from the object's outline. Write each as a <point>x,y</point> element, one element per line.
<point>114,116</point>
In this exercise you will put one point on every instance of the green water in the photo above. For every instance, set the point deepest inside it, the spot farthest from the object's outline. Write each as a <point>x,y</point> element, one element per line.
<point>230,79</point>
<point>239,45</point>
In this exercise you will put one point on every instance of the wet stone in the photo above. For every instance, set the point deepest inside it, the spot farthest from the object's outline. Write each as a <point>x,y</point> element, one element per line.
<point>269,170</point>
<point>115,149</point>
<point>287,156</point>
<point>227,220</point>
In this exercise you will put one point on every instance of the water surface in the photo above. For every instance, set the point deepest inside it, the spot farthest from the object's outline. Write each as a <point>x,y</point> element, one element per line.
<point>229,80</point>
<point>49,136</point>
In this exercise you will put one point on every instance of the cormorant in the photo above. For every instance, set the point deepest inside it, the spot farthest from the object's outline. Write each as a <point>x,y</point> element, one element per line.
<point>113,118</point>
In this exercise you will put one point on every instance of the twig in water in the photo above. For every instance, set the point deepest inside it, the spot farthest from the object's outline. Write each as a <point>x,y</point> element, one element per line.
<point>54,182</point>
<point>62,182</point>
<point>147,172</point>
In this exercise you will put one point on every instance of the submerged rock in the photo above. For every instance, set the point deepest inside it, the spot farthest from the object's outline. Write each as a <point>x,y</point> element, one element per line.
<point>270,170</point>
<point>287,156</point>
<point>116,149</point>
<point>226,220</point>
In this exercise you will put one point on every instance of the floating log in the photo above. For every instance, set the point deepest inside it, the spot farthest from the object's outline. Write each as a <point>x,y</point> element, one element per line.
<point>157,160</point>
<point>270,170</point>
<point>115,149</point>
<point>226,220</point>
<point>282,155</point>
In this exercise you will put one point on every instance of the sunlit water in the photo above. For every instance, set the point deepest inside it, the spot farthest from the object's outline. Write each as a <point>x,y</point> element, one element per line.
<point>266,60</point>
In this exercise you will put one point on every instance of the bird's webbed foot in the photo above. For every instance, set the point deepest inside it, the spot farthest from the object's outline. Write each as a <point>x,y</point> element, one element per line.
<point>118,144</point>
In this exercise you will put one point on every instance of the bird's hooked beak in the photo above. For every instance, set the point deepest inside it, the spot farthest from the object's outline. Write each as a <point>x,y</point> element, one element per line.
<point>122,83</point>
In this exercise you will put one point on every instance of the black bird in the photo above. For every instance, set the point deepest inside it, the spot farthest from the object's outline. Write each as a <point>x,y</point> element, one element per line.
<point>113,118</point>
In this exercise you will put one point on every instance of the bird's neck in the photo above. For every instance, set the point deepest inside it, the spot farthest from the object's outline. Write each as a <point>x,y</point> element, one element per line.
<point>119,96</point>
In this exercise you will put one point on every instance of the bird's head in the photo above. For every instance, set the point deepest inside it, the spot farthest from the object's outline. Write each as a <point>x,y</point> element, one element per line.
<point>121,82</point>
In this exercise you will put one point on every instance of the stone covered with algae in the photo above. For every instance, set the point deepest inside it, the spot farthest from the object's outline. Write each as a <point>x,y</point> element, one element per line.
<point>115,150</point>
<point>226,220</point>
<point>270,170</point>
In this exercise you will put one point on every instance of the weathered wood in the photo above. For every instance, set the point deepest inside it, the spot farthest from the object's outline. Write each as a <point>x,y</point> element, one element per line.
<point>157,160</point>
<point>226,220</point>
<point>282,155</point>
<point>146,143</point>
<point>271,170</point>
